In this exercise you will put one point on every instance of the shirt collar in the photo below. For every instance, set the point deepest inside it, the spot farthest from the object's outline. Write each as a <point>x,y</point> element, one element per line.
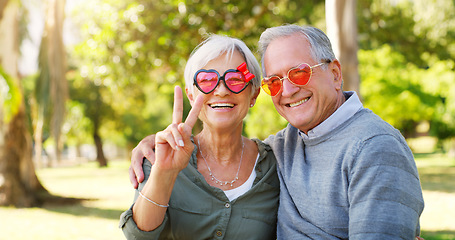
<point>343,113</point>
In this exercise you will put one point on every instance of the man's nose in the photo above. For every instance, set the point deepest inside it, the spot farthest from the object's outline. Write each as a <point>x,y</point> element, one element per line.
<point>288,89</point>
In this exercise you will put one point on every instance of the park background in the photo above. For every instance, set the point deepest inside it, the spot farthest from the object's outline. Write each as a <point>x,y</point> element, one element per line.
<point>82,82</point>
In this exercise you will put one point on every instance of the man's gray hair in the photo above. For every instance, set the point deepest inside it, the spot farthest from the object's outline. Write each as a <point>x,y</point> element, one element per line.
<point>320,46</point>
<point>215,46</point>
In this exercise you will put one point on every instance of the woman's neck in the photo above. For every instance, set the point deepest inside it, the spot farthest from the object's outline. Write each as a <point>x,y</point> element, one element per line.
<point>221,146</point>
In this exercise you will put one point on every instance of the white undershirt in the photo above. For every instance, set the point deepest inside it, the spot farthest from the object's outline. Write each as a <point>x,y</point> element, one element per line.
<point>239,191</point>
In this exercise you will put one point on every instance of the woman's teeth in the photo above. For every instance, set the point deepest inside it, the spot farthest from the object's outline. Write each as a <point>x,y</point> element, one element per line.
<point>298,103</point>
<point>222,105</point>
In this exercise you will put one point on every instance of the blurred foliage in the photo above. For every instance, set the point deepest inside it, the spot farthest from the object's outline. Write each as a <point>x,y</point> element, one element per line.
<point>263,119</point>
<point>417,29</point>
<point>10,97</point>
<point>392,88</point>
<point>406,63</point>
<point>405,95</point>
<point>28,84</point>
<point>441,82</point>
<point>132,53</point>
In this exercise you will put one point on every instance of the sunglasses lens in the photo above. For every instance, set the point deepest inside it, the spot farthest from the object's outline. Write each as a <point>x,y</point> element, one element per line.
<point>300,75</point>
<point>271,86</point>
<point>207,81</point>
<point>235,81</point>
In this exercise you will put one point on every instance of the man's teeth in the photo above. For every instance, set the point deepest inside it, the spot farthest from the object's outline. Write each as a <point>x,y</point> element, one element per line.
<point>222,105</point>
<point>298,103</point>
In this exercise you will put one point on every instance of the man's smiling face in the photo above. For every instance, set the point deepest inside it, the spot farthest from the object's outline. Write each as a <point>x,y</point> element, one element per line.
<point>307,106</point>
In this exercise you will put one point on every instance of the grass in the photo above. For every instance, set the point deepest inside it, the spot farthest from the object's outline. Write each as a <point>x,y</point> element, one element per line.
<point>109,193</point>
<point>437,176</point>
<point>107,189</point>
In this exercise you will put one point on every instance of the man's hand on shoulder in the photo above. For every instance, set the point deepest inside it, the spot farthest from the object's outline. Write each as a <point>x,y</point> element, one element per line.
<point>144,150</point>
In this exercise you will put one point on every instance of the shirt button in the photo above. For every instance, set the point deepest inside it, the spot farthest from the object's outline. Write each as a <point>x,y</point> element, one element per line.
<point>227,205</point>
<point>219,233</point>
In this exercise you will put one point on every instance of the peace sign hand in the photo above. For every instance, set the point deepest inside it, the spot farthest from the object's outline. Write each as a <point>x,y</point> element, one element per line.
<point>173,145</point>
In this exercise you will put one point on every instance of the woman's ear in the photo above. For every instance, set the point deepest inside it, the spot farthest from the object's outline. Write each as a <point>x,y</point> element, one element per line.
<point>255,96</point>
<point>189,95</point>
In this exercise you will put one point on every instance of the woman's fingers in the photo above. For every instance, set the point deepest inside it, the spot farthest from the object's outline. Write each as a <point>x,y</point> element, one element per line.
<point>178,138</point>
<point>171,136</point>
<point>194,112</point>
<point>177,114</point>
<point>186,128</point>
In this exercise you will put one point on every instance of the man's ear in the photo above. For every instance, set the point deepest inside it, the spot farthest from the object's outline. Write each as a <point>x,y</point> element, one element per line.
<point>337,75</point>
<point>189,95</point>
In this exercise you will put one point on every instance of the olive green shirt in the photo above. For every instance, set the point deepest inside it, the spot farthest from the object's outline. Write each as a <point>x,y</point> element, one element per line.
<point>200,211</point>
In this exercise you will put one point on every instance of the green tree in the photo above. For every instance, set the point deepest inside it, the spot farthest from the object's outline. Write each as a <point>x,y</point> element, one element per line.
<point>393,89</point>
<point>417,29</point>
<point>96,110</point>
<point>439,80</point>
<point>422,33</point>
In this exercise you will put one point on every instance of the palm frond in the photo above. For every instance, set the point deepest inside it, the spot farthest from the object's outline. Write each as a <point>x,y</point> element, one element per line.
<point>52,87</point>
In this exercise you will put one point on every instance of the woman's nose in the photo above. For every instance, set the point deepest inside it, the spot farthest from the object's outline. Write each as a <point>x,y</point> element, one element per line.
<point>221,89</point>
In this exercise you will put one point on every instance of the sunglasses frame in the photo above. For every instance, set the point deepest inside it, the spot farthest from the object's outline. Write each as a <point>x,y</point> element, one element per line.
<point>287,76</point>
<point>219,79</point>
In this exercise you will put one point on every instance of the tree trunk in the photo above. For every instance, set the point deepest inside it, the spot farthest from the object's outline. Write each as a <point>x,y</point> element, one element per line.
<point>342,30</point>
<point>19,185</point>
<point>38,136</point>
<point>99,149</point>
<point>2,7</point>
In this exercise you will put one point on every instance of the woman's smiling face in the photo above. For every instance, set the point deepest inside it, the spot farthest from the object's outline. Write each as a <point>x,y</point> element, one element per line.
<point>223,108</point>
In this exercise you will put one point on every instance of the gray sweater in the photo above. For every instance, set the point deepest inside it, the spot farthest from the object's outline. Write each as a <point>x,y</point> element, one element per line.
<point>358,181</point>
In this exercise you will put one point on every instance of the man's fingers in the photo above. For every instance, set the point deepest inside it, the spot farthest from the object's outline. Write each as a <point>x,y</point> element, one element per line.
<point>133,179</point>
<point>177,115</point>
<point>194,112</point>
<point>135,170</point>
<point>145,148</point>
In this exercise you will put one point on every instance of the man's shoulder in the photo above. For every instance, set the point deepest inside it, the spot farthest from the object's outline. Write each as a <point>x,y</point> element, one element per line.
<point>284,140</point>
<point>279,135</point>
<point>366,122</point>
<point>366,126</point>
<point>287,133</point>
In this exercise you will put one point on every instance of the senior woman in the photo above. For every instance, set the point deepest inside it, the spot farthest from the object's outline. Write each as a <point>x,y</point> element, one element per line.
<point>217,184</point>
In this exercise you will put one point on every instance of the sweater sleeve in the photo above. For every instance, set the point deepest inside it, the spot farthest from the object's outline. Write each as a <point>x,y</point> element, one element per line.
<point>385,195</point>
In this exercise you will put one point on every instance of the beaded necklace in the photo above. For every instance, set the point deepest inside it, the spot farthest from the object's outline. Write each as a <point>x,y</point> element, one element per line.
<point>216,180</point>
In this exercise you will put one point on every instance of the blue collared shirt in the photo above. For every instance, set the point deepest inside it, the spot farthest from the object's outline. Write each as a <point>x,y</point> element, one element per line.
<point>343,113</point>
